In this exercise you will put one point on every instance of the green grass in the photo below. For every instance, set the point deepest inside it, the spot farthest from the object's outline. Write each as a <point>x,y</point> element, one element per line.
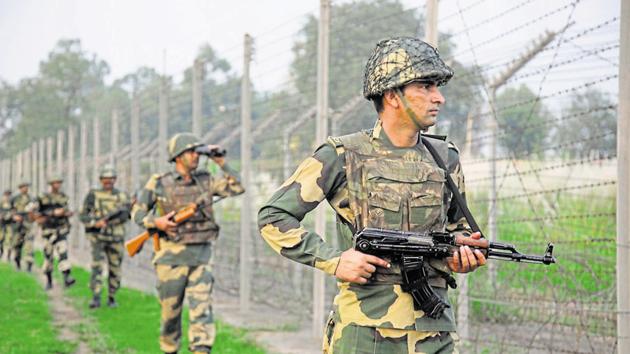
<point>585,271</point>
<point>25,319</point>
<point>133,327</point>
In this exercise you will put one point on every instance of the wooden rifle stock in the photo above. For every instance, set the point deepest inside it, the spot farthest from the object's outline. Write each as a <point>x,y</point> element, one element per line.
<point>135,244</point>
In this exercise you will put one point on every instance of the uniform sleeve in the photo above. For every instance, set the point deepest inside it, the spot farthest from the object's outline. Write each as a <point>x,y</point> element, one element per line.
<point>66,206</point>
<point>227,185</point>
<point>87,210</point>
<point>142,213</point>
<point>279,220</point>
<point>456,221</point>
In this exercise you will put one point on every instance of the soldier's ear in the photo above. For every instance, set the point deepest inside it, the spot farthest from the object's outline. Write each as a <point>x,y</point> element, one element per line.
<point>390,98</point>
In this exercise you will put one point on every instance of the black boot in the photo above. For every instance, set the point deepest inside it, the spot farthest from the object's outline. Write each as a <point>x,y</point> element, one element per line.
<point>68,280</point>
<point>17,263</point>
<point>111,302</point>
<point>48,280</point>
<point>96,302</point>
<point>29,266</point>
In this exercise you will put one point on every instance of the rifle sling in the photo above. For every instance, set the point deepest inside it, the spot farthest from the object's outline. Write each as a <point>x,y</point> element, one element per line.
<point>457,195</point>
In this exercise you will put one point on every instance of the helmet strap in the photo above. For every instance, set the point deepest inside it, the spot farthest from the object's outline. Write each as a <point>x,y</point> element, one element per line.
<point>410,113</point>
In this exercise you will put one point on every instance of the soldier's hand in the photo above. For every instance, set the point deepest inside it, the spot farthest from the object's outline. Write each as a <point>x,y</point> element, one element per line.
<point>466,260</point>
<point>100,224</point>
<point>164,223</point>
<point>357,267</point>
<point>59,212</point>
<point>17,218</point>
<point>219,160</point>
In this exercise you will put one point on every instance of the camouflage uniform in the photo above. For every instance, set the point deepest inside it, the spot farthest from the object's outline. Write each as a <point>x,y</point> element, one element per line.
<point>5,224</point>
<point>371,183</point>
<point>23,238</point>
<point>55,230</point>
<point>107,243</point>
<point>183,263</point>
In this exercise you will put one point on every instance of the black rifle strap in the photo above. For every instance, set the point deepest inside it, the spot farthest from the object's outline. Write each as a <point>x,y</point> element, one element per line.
<point>459,199</point>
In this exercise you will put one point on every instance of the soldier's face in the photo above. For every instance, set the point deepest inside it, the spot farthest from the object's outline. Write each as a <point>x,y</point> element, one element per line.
<point>189,159</point>
<point>55,186</point>
<point>24,189</point>
<point>108,183</point>
<point>425,100</point>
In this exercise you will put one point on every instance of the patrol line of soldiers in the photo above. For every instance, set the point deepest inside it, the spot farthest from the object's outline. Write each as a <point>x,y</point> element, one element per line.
<point>49,210</point>
<point>380,178</point>
<point>183,263</point>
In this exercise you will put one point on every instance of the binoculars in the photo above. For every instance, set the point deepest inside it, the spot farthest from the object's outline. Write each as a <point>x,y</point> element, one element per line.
<point>210,152</point>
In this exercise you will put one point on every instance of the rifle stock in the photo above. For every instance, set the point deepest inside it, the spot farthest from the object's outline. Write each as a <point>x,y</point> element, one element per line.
<point>135,244</point>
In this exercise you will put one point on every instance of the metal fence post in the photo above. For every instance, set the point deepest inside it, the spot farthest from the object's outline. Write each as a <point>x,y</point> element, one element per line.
<point>245,272</point>
<point>319,285</point>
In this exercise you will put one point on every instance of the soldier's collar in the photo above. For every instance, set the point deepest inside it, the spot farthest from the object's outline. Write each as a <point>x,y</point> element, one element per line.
<point>379,134</point>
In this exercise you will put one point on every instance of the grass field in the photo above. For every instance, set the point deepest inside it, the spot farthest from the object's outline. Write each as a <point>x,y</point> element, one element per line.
<point>25,319</point>
<point>133,327</point>
<point>583,231</point>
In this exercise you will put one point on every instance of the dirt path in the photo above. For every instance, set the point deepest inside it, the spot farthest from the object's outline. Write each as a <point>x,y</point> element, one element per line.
<point>65,316</point>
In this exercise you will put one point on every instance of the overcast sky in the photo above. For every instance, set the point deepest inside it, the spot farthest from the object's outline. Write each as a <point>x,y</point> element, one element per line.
<point>132,33</point>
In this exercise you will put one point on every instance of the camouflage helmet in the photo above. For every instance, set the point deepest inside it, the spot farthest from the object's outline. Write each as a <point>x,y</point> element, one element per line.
<point>7,192</point>
<point>23,183</point>
<point>180,143</point>
<point>55,178</point>
<point>398,61</point>
<point>107,171</point>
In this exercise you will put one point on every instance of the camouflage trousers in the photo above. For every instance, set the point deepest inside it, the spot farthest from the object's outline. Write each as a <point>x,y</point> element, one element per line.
<point>23,240</point>
<point>5,239</point>
<point>340,338</point>
<point>110,253</point>
<point>174,281</point>
<point>55,241</point>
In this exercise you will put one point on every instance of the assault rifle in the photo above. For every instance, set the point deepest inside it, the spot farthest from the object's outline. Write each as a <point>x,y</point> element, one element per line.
<point>409,249</point>
<point>118,214</point>
<point>46,216</point>
<point>135,244</point>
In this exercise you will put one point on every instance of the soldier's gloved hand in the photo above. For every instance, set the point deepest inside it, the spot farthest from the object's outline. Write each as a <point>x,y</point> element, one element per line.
<point>357,267</point>
<point>165,223</point>
<point>466,260</point>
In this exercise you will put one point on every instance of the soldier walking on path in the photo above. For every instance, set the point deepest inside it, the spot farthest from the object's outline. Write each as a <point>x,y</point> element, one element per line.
<point>5,224</point>
<point>184,261</point>
<point>382,178</point>
<point>53,213</point>
<point>23,237</point>
<point>104,213</point>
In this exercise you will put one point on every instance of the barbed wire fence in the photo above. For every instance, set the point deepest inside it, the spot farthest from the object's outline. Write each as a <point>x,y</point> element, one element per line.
<point>559,190</point>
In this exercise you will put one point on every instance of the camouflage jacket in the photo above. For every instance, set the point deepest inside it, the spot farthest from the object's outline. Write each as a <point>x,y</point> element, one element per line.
<point>99,203</point>
<point>20,205</point>
<point>46,203</point>
<point>323,176</point>
<point>5,210</point>
<point>148,207</point>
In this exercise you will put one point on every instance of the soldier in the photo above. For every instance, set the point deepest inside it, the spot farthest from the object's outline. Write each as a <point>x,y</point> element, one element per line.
<point>23,238</point>
<point>104,213</point>
<point>383,178</point>
<point>5,223</point>
<point>53,215</point>
<point>183,263</point>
